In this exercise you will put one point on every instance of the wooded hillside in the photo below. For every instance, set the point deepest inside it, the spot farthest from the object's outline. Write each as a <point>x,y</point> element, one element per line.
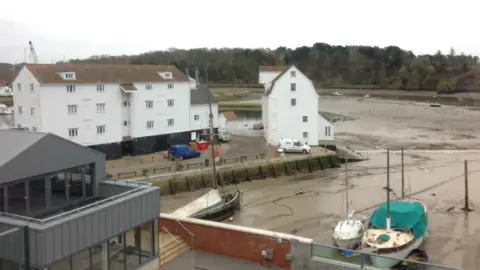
<point>326,65</point>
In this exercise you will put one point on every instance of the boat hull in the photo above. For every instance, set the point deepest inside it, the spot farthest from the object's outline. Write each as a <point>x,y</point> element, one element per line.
<point>388,260</point>
<point>352,244</point>
<point>222,210</point>
<point>348,234</point>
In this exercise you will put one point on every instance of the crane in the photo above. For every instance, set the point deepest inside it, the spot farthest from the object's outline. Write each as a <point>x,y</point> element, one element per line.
<point>33,54</point>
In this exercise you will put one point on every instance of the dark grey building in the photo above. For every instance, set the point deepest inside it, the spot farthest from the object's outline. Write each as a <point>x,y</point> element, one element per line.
<point>57,211</point>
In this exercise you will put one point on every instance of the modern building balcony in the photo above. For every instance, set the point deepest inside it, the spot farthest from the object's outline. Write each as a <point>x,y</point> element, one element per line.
<point>55,190</point>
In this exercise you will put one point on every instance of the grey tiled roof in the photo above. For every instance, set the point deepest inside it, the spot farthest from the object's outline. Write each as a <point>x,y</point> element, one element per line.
<point>199,96</point>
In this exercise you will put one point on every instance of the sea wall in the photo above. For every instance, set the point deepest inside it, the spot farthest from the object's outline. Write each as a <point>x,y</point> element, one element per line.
<point>190,181</point>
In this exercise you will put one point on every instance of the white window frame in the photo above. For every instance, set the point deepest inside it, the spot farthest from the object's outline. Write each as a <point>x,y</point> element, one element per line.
<point>150,124</point>
<point>293,87</point>
<point>171,122</point>
<point>73,132</point>
<point>32,111</point>
<point>101,129</point>
<point>100,107</point>
<point>19,110</point>
<point>293,102</point>
<point>167,75</point>
<point>32,87</point>
<point>293,73</point>
<point>170,86</point>
<point>148,87</point>
<point>34,129</point>
<point>149,104</point>
<point>100,87</point>
<point>305,135</point>
<point>125,123</point>
<point>305,119</point>
<point>19,87</point>
<point>70,88</point>
<point>196,117</point>
<point>72,109</point>
<point>170,102</point>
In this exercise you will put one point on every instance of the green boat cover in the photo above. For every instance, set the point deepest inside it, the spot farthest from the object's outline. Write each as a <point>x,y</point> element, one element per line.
<point>403,216</point>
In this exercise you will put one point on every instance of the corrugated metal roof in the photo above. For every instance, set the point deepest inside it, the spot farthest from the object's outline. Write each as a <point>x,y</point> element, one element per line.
<point>199,96</point>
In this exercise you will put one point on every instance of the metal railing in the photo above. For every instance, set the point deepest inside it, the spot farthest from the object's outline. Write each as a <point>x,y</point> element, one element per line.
<point>359,259</point>
<point>139,186</point>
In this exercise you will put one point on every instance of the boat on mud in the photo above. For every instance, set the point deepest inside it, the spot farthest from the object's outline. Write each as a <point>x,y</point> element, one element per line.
<point>348,232</point>
<point>394,230</point>
<point>216,204</point>
<point>223,209</point>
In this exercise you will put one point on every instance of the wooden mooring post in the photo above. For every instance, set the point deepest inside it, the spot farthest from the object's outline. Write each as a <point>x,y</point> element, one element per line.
<point>466,208</point>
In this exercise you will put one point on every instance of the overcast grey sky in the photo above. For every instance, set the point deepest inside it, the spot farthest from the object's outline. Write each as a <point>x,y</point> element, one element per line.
<point>68,29</point>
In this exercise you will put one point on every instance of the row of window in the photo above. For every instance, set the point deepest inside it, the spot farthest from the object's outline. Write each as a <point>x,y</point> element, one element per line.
<point>20,110</point>
<point>19,87</point>
<point>150,87</point>
<point>73,132</point>
<point>151,123</point>
<point>149,103</point>
<point>72,109</point>
<point>100,87</point>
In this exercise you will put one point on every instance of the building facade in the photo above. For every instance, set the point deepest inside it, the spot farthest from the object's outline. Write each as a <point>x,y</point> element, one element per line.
<point>290,107</point>
<point>55,191</point>
<point>115,109</point>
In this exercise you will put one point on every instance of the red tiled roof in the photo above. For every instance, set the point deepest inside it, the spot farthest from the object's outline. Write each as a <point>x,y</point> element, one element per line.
<point>230,115</point>
<point>95,73</point>
<point>272,68</point>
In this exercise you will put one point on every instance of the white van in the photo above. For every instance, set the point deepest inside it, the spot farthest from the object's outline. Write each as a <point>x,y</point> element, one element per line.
<point>294,146</point>
<point>224,135</point>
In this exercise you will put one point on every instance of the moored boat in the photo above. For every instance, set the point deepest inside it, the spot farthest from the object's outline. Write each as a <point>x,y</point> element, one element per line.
<point>348,232</point>
<point>395,230</point>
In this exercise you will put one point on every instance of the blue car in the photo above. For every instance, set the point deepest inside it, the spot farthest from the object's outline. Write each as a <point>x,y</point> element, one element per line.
<point>182,151</point>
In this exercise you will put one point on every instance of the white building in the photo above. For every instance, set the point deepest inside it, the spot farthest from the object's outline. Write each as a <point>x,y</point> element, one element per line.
<point>290,107</point>
<point>116,109</point>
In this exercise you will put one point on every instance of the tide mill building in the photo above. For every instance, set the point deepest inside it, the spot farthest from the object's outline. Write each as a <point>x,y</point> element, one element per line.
<point>290,107</point>
<point>115,109</point>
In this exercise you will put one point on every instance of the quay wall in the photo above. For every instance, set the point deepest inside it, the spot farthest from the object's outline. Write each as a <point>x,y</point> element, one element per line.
<point>190,181</point>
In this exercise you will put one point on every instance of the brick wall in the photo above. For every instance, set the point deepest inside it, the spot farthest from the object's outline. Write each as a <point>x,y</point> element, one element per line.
<point>230,242</point>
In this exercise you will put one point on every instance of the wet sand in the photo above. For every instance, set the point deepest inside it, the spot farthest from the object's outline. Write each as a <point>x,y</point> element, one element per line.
<point>310,204</point>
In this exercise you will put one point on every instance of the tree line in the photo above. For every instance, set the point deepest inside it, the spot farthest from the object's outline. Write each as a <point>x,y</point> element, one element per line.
<point>326,65</point>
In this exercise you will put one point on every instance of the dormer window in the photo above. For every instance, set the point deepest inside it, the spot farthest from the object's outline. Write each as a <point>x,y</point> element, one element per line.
<point>166,75</point>
<point>68,75</point>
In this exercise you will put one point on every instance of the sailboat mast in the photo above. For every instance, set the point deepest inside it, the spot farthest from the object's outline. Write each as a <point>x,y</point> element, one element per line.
<point>388,189</point>
<point>210,116</point>
<point>346,185</point>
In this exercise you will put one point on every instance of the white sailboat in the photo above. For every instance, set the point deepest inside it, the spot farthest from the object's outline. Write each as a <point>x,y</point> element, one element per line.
<point>348,232</point>
<point>395,229</point>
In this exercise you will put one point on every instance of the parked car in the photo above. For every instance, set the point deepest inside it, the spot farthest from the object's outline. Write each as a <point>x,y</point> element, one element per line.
<point>224,135</point>
<point>182,151</point>
<point>294,146</point>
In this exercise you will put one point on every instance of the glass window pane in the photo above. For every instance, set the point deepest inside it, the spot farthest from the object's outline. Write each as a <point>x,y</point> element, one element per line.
<point>147,243</point>
<point>81,260</point>
<point>132,251</point>
<point>99,258</point>
<point>63,264</point>
<point>117,254</point>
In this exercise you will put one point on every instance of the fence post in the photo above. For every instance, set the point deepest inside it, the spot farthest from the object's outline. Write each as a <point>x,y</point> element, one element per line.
<point>26,245</point>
